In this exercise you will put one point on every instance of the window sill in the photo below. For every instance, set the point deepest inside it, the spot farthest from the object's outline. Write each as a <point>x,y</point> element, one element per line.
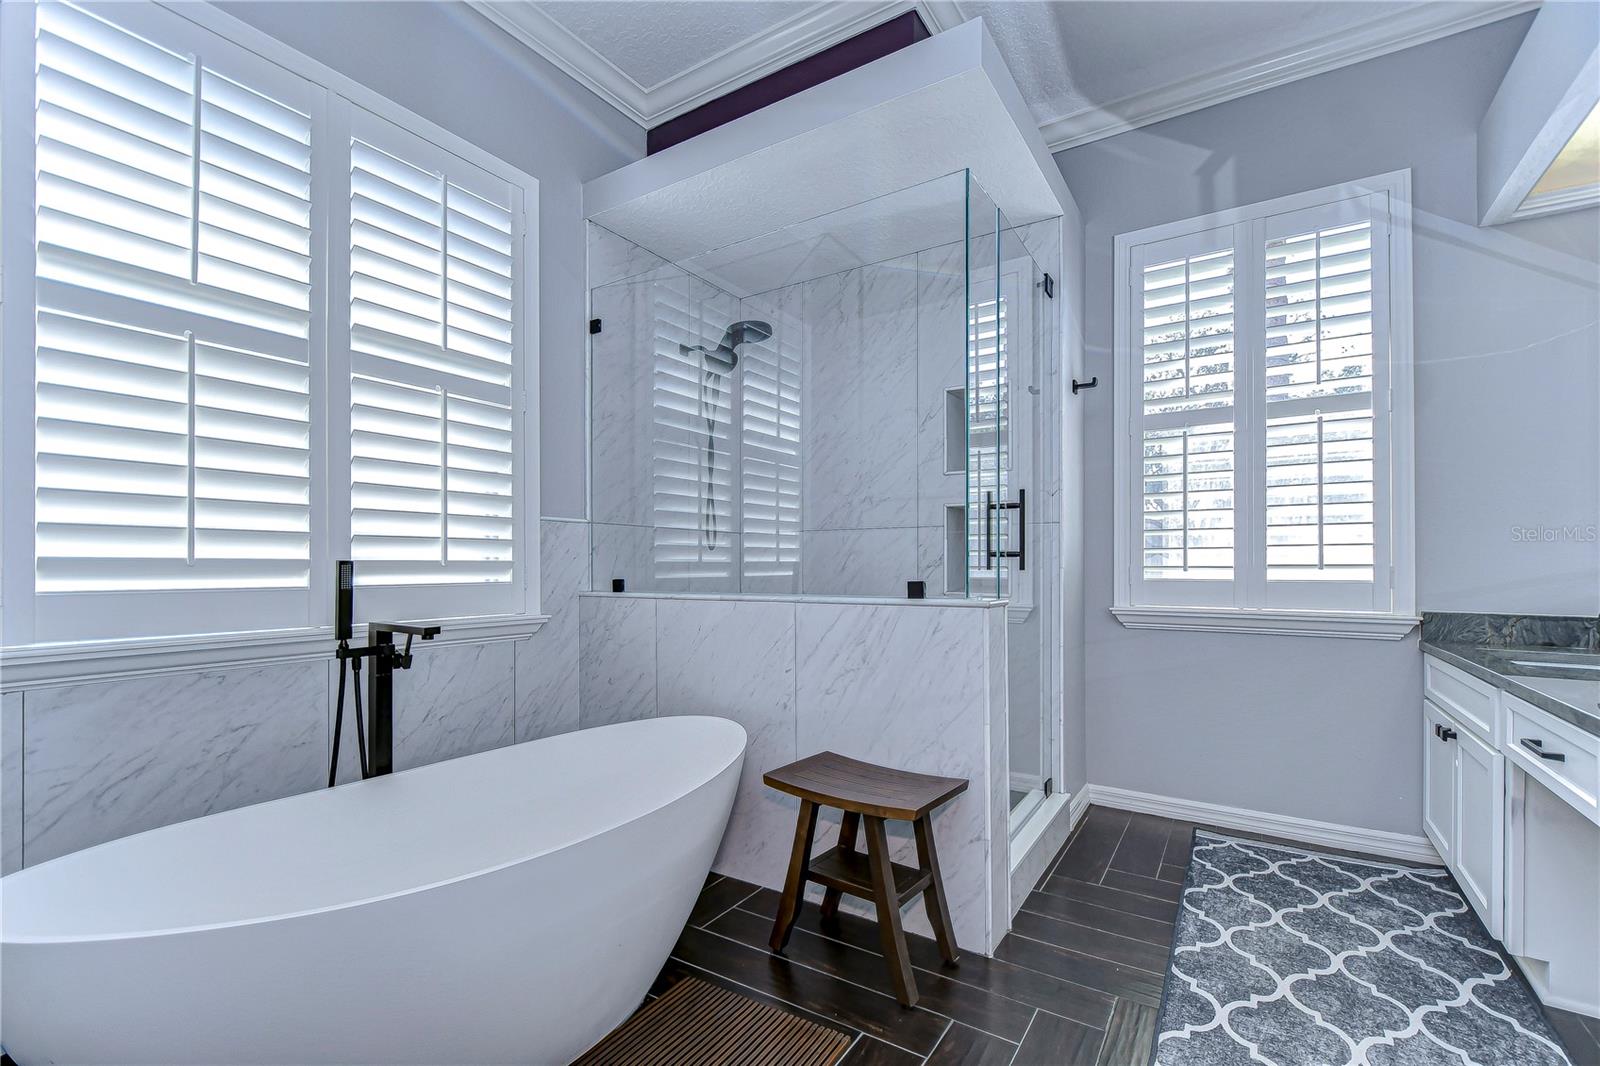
<point>1349,624</point>
<point>48,665</point>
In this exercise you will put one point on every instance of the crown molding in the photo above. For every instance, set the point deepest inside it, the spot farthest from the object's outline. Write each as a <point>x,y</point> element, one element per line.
<point>1379,37</point>
<point>1550,203</point>
<point>819,26</point>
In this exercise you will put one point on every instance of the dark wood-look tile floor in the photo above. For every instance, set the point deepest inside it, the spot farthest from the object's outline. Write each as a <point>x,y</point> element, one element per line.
<point>1077,981</point>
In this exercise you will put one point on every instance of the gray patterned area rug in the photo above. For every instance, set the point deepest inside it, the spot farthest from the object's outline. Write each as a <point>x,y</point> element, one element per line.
<point>1295,957</point>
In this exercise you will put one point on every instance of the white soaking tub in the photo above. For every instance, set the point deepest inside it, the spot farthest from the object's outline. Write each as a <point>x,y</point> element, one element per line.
<point>510,906</point>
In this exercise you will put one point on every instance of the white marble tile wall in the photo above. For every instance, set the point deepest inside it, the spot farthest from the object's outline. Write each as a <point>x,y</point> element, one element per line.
<point>858,562</point>
<point>941,365</point>
<point>907,687</point>
<point>547,662</point>
<point>616,659</point>
<point>108,759</point>
<point>736,660</point>
<point>10,782</point>
<point>997,668</point>
<point>613,258</point>
<point>911,685</point>
<point>82,764</point>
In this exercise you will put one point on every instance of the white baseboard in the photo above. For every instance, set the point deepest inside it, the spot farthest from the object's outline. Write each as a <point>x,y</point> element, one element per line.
<point>1304,830</point>
<point>1080,803</point>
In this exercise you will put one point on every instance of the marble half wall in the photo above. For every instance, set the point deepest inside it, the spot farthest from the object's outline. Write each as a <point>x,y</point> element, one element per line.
<point>84,763</point>
<point>919,686</point>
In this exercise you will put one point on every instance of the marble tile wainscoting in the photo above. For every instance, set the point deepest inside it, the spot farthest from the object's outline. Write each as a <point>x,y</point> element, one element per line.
<point>917,685</point>
<point>84,763</point>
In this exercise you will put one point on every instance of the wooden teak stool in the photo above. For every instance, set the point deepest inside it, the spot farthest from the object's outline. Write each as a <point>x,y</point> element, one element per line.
<point>871,793</point>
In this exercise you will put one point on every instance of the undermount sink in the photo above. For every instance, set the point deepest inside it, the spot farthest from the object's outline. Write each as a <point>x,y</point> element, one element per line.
<point>1589,667</point>
<point>1549,663</point>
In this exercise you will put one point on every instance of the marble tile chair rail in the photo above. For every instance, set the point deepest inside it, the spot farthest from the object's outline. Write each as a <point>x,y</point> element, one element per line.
<point>870,794</point>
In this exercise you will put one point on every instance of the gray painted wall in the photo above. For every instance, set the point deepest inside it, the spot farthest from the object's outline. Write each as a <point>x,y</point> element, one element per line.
<point>1507,432</point>
<point>487,88</point>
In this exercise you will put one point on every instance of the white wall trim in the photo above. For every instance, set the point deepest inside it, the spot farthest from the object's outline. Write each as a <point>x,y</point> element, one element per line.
<point>1080,805</point>
<point>1424,23</point>
<point>1304,830</point>
<point>54,665</point>
<point>1296,623</point>
<point>1551,203</point>
<point>820,26</point>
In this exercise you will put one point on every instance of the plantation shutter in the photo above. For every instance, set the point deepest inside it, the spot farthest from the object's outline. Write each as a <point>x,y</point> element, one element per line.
<point>1257,407</point>
<point>434,271</point>
<point>1185,416</point>
<point>174,329</point>
<point>1325,359</point>
<point>693,535</point>
<point>770,457</point>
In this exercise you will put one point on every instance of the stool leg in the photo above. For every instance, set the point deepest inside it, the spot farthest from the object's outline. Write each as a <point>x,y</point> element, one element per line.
<point>847,842</point>
<point>805,830</point>
<point>890,934</point>
<point>933,895</point>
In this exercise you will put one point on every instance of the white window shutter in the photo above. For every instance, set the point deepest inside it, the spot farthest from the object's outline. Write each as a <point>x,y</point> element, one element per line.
<point>173,332</point>
<point>694,535</point>
<point>770,460</point>
<point>434,268</point>
<point>1185,345</point>
<point>1263,470</point>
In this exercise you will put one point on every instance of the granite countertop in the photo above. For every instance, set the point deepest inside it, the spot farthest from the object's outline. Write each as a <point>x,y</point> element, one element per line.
<point>1552,684</point>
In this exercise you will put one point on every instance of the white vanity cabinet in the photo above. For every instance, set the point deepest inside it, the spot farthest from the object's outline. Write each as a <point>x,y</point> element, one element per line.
<point>1463,799</point>
<point>1509,801</point>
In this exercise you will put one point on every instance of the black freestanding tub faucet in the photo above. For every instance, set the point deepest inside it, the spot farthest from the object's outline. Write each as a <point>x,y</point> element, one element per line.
<point>386,659</point>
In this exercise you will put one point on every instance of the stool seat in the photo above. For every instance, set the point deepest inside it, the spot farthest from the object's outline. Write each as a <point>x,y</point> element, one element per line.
<point>839,781</point>
<point>869,794</point>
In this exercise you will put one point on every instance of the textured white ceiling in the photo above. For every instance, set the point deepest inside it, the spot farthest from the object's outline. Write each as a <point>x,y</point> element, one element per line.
<point>1069,56</point>
<point>653,41</point>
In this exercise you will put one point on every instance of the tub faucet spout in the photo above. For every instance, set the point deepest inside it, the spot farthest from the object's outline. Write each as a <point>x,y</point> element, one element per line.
<point>376,741</point>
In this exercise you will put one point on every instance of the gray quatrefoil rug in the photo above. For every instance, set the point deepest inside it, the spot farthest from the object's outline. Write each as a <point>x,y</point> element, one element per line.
<point>1294,957</point>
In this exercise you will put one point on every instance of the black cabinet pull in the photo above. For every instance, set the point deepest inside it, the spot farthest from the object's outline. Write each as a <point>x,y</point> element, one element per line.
<point>1446,733</point>
<point>1537,747</point>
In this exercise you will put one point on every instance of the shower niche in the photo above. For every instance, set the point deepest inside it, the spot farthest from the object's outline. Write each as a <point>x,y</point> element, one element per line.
<point>833,408</point>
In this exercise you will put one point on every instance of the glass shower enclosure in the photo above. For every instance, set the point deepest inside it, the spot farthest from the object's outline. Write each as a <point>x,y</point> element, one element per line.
<point>859,405</point>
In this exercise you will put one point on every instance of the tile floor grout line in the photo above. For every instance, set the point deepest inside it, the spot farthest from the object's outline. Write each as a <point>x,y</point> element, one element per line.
<point>1055,863</point>
<point>1086,955</point>
<point>1094,928</point>
<point>1117,888</point>
<point>846,981</point>
<point>939,1041</point>
<point>1101,906</point>
<point>1113,856</point>
<point>720,914</point>
<point>957,980</point>
<point>1028,1029</point>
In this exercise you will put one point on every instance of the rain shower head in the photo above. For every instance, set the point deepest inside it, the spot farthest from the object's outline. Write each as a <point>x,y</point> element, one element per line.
<point>725,356</point>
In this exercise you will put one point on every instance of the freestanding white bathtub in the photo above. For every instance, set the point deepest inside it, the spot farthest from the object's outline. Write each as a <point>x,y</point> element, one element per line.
<point>511,906</point>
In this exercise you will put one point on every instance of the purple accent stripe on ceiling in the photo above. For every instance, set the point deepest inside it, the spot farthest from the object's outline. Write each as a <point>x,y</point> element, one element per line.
<point>863,48</point>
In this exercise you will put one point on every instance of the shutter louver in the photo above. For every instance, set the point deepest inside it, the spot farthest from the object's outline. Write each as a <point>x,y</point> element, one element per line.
<point>173,361</point>
<point>988,430</point>
<point>1319,378</point>
<point>692,475</point>
<point>770,459</point>
<point>433,465</point>
<point>1187,434</point>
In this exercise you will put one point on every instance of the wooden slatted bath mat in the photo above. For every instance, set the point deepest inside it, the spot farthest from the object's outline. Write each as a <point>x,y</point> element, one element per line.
<point>697,1023</point>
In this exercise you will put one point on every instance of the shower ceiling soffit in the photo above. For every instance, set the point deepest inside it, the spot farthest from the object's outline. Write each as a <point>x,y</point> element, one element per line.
<point>929,110</point>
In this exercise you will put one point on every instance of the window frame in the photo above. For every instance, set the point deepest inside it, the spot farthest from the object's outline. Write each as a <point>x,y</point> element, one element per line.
<point>1243,604</point>
<point>30,660</point>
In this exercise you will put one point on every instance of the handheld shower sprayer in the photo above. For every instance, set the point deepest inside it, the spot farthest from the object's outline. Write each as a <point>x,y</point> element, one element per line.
<point>719,362</point>
<point>386,659</point>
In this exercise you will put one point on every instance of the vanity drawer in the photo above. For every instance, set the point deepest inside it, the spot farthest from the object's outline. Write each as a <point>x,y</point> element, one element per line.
<point>1471,701</point>
<point>1560,756</point>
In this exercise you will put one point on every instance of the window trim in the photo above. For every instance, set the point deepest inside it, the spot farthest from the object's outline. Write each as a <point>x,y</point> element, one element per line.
<point>40,662</point>
<point>1401,617</point>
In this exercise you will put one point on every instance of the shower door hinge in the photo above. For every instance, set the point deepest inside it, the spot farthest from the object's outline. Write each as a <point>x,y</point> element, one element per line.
<point>594,326</point>
<point>1050,286</point>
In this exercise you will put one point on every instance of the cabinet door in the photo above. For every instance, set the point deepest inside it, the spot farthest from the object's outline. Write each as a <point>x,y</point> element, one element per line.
<point>1479,862</point>
<point>1438,783</point>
